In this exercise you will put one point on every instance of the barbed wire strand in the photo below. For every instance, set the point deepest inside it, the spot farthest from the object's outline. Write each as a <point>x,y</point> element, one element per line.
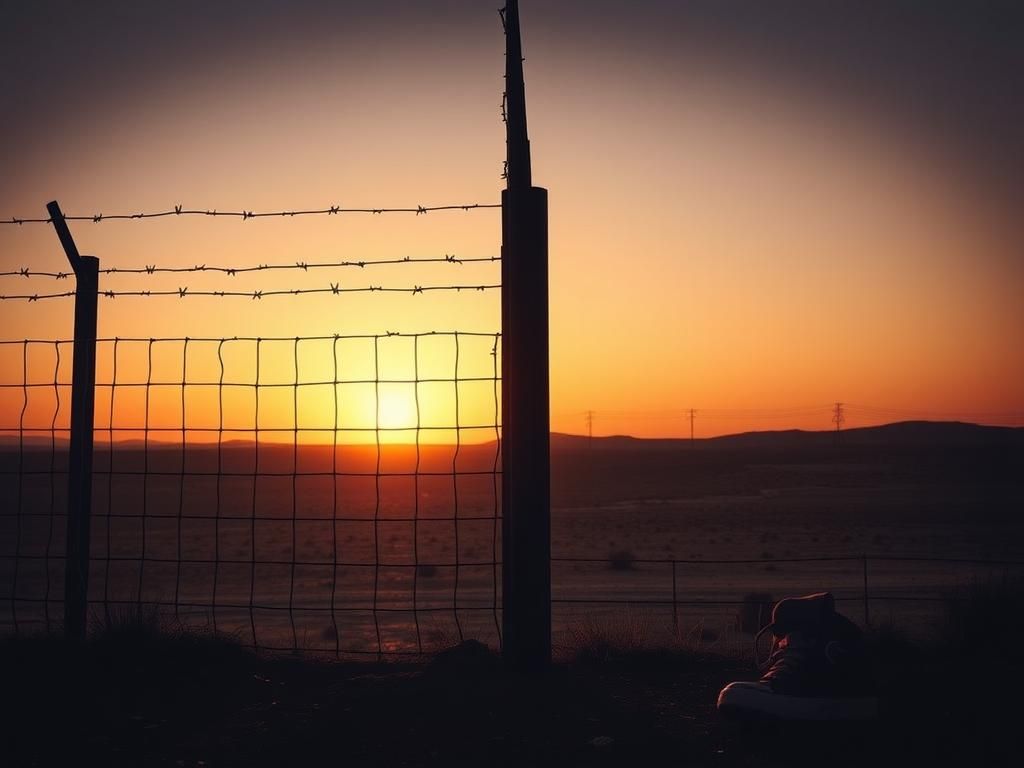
<point>305,266</point>
<point>180,210</point>
<point>256,295</point>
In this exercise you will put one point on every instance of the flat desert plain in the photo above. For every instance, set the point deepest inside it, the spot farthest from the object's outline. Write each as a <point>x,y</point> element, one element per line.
<point>359,550</point>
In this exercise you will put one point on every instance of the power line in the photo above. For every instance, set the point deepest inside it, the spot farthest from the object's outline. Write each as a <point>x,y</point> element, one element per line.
<point>871,410</point>
<point>735,413</point>
<point>838,413</point>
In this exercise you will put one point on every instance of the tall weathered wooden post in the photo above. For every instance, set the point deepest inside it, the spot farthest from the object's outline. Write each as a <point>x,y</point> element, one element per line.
<point>526,505</point>
<point>83,398</point>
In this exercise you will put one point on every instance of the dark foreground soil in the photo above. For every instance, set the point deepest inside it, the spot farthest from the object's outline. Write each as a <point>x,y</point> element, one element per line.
<point>136,697</point>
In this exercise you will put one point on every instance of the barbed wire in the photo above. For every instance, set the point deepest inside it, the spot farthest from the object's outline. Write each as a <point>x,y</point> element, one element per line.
<point>185,291</point>
<point>243,214</point>
<point>305,266</point>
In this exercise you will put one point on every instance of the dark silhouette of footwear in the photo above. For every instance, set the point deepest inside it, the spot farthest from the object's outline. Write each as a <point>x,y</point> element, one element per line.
<point>817,668</point>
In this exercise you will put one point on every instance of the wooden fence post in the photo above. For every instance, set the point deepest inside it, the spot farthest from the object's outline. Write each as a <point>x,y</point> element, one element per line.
<point>526,527</point>
<point>83,395</point>
<point>526,429</point>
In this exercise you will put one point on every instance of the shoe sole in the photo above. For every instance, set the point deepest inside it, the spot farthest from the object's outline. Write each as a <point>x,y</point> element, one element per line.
<point>743,702</point>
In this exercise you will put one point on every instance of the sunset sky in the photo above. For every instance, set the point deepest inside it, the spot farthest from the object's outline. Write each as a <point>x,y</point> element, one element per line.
<point>756,209</point>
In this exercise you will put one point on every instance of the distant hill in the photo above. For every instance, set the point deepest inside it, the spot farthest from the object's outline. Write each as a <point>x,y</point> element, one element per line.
<point>904,433</point>
<point>909,454</point>
<point>606,470</point>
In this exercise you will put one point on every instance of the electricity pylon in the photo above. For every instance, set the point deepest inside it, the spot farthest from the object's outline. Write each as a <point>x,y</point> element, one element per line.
<point>838,417</point>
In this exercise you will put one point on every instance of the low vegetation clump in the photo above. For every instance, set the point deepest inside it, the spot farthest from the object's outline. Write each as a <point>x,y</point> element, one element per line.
<point>600,638</point>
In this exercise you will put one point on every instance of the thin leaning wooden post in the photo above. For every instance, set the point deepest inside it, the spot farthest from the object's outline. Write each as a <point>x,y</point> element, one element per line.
<point>526,504</point>
<point>83,391</point>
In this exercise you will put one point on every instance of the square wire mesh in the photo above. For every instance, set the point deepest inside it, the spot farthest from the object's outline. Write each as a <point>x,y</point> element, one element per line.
<point>334,495</point>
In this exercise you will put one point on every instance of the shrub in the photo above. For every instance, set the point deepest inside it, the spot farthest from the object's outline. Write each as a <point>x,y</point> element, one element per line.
<point>598,639</point>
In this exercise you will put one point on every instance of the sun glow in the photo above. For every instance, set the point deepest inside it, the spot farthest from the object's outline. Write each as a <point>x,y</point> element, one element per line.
<point>396,407</point>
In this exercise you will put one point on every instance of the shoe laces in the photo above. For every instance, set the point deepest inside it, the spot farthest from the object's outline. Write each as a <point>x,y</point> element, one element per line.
<point>784,653</point>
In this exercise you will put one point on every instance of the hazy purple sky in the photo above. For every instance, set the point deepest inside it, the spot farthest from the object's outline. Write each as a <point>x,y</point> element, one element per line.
<point>952,69</point>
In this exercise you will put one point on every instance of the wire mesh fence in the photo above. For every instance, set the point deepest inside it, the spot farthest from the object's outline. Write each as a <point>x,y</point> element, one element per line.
<point>341,495</point>
<point>337,494</point>
<point>333,494</point>
<point>345,494</point>
<point>723,602</point>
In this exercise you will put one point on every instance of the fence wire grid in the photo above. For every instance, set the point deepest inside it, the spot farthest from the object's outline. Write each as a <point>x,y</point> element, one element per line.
<point>341,495</point>
<point>329,494</point>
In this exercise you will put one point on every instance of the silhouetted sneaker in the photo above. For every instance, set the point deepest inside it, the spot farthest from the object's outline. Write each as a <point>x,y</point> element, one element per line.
<point>817,669</point>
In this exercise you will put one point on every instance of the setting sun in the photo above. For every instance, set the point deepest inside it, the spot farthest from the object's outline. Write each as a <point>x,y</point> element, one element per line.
<point>396,407</point>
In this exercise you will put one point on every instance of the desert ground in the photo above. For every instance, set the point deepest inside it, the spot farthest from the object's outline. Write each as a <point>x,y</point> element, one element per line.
<point>361,553</point>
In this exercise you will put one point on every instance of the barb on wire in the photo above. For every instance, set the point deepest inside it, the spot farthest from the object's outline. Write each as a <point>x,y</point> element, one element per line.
<point>179,210</point>
<point>333,288</point>
<point>305,266</point>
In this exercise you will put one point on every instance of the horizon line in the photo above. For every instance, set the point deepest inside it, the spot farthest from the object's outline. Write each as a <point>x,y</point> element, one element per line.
<point>10,437</point>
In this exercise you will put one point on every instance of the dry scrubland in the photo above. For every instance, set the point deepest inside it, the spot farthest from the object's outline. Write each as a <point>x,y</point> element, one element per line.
<point>911,490</point>
<point>631,689</point>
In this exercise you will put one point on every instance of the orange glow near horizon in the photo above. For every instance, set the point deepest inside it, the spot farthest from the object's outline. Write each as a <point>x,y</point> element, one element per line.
<point>716,242</point>
<point>391,389</point>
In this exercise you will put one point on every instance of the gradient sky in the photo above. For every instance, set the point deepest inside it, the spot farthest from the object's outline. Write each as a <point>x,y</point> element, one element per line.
<point>756,208</point>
